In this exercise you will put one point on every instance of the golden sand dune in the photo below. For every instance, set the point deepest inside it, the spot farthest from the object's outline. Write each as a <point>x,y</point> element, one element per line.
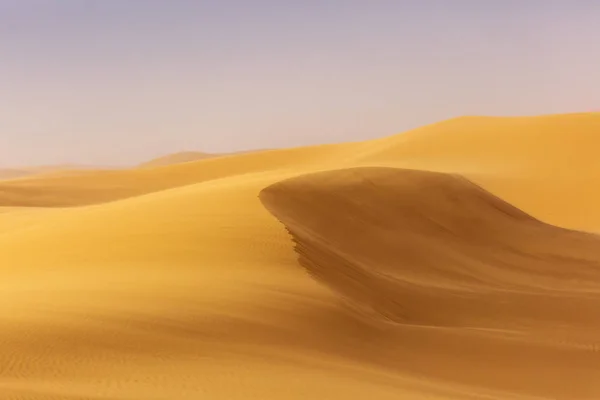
<point>501,299</point>
<point>401,242</point>
<point>85,187</point>
<point>9,174</point>
<point>176,282</point>
<point>521,159</point>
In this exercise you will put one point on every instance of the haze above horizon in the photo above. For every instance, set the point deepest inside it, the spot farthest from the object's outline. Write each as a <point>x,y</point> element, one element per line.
<point>118,82</point>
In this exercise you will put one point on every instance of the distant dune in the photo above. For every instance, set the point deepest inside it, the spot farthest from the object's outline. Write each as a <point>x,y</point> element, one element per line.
<point>13,173</point>
<point>441,263</point>
<point>9,173</point>
<point>176,158</point>
<point>187,156</point>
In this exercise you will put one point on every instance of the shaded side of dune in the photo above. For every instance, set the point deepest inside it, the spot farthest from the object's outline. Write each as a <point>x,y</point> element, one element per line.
<point>461,286</point>
<point>433,249</point>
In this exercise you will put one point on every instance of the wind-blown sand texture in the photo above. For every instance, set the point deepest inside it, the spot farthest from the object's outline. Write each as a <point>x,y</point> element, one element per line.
<point>442,263</point>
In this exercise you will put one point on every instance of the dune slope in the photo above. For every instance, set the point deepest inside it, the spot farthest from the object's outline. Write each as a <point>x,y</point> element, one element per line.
<point>417,249</point>
<point>545,165</point>
<point>86,187</point>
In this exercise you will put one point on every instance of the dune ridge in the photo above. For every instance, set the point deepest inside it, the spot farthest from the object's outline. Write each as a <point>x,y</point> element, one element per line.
<point>419,228</point>
<point>520,159</point>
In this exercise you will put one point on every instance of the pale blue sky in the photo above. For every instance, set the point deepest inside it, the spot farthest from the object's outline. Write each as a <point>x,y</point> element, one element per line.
<point>120,81</point>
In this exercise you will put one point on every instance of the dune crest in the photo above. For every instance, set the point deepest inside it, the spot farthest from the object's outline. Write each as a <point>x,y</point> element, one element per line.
<point>389,237</point>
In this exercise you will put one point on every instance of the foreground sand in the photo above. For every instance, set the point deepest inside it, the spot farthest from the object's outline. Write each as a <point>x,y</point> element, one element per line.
<point>361,270</point>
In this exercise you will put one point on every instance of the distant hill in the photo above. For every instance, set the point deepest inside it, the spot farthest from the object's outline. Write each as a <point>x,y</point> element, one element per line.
<point>187,156</point>
<point>14,173</point>
<point>10,173</point>
<point>177,158</point>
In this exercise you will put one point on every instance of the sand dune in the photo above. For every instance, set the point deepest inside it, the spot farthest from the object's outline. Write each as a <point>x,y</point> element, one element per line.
<point>415,250</point>
<point>87,187</point>
<point>44,170</point>
<point>436,237</point>
<point>177,158</point>
<point>532,162</point>
<point>187,156</point>
<point>359,270</point>
<point>545,165</point>
<point>9,173</point>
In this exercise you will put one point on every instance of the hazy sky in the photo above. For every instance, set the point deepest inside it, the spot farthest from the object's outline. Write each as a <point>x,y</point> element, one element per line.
<point>120,81</point>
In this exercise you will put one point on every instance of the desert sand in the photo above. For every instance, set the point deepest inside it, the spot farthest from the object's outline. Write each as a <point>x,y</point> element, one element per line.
<point>455,261</point>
